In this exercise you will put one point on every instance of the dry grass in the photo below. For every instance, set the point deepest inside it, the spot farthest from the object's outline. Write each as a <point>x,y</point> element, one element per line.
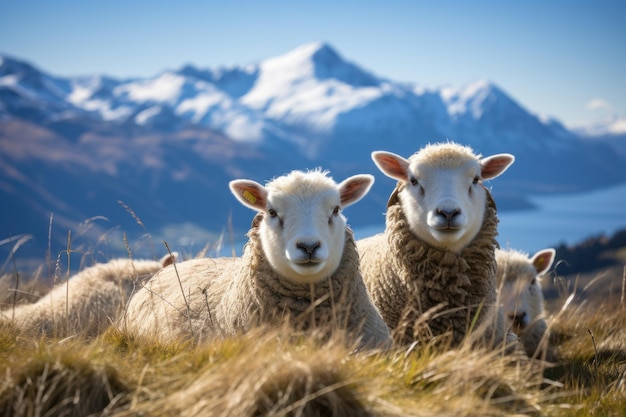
<point>270,372</point>
<point>262,373</point>
<point>276,372</point>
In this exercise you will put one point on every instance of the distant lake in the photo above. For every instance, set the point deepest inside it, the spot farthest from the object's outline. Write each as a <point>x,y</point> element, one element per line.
<point>557,219</point>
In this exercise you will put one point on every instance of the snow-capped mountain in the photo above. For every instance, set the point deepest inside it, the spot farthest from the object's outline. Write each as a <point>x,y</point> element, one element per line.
<point>310,94</point>
<point>167,145</point>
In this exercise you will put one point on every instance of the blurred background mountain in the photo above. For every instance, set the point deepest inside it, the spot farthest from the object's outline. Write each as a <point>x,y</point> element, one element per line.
<point>165,147</point>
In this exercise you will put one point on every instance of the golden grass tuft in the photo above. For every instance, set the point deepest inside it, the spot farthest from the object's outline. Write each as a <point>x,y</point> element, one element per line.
<point>278,372</point>
<point>59,382</point>
<point>269,377</point>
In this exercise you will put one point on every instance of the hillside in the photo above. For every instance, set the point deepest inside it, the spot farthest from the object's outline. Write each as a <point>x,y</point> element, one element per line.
<point>594,269</point>
<point>270,372</point>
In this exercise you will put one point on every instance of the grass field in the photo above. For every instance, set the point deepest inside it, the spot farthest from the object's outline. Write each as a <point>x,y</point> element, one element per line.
<point>276,372</point>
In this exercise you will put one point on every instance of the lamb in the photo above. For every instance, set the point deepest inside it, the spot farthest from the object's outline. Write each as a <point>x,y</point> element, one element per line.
<point>89,302</point>
<point>300,266</point>
<point>432,271</point>
<point>518,278</point>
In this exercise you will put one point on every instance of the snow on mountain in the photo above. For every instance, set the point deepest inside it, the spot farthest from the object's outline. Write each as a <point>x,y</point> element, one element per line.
<point>27,92</point>
<point>234,81</point>
<point>310,94</point>
<point>309,87</point>
<point>310,97</point>
<point>469,99</point>
<point>611,125</point>
<point>171,97</point>
<point>610,131</point>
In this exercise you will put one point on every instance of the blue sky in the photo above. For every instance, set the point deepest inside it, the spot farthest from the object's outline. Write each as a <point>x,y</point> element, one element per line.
<point>554,57</point>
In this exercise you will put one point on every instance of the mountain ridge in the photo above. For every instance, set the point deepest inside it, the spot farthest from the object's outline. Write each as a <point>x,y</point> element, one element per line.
<point>167,145</point>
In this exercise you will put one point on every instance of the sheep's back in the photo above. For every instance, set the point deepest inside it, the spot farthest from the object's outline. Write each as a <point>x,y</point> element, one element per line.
<point>380,277</point>
<point>182,300</point>
<point>86,304</point>
<point>372,250</point>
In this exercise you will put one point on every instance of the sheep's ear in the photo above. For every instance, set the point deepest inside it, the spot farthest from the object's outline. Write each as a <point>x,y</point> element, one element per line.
<point>168,259</point>
<point>542,260</point>
<point>392,165</point>
<point>249,193</point>
<point>354,188</point>
<point>493,166</point>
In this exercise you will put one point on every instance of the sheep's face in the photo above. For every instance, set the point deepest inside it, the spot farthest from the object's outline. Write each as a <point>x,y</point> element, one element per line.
<point>443,197</point>
<point>303,230</point>
<point>519,283</point>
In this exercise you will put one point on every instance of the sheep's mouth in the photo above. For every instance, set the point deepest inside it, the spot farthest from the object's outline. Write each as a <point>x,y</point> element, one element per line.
<point>448,228</point>
<point>311,262</point>
<point>445,226</point>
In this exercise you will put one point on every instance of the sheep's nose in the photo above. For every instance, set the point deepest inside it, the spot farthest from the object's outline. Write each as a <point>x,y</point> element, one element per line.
<point>309,247</point>
<point>448,214</point>
<point>518,318</point>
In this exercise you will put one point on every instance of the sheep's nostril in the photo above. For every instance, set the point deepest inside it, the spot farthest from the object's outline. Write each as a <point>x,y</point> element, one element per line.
<point>448,214</point>
<point>308,247</point>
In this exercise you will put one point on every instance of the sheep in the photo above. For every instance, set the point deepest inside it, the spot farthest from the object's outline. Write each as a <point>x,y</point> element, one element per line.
<point>518,278</point>
<point>300,266</point>
<point>434,264</point>
<point>89,302</point>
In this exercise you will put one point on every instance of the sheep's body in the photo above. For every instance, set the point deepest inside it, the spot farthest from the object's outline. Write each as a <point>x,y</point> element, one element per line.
<point>88,303</point>
<point>228,296</point>
<point>428,278</point>
<point>407,278</point>
<point>519,280</point>
<point>299,266</point>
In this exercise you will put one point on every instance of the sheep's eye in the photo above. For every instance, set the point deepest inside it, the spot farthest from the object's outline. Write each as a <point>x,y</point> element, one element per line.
<point>476,180</point>
<point>413,180</point>
<point>533,282</point>
<point>336,210</point>
<point>272,212</point>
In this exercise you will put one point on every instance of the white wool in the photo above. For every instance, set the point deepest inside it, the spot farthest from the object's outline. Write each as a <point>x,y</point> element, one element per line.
<point>88,302</point>
<point>519,282</point>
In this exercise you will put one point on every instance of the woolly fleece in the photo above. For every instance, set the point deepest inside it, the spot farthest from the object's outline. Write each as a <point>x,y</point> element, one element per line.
<point>513,265</point>
<point>419,288</point>
<point>209,298</point>
<point>97,296</point>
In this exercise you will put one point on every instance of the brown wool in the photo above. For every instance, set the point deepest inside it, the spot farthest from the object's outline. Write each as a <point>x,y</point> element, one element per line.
<point>407,279</point>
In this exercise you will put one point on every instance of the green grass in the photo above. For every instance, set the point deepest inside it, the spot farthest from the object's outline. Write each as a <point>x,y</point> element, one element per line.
<point>278,373</point>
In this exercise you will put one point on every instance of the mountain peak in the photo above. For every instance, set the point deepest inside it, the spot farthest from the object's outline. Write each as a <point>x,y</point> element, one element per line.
<point>311,51</point>
<point>471,90</point>
<point>322,62</point>
<point>10,65</point>
<point>474,98</point>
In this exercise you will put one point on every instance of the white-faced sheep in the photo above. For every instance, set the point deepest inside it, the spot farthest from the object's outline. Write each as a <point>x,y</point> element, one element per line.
<point>299,265</point>
<point>88,302</point>
<point>519,282</point>
<point>434,264</point>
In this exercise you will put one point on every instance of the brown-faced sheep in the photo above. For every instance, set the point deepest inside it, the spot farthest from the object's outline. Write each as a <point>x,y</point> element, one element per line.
<point>432,271</point>
<point>300,265</point>
<point>88,302</point>
<point>519,282</point>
